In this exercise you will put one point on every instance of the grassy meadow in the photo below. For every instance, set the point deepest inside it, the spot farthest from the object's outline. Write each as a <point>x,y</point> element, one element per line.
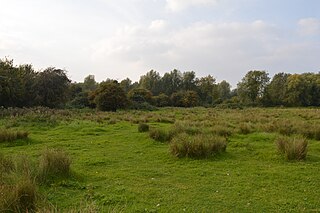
<point>169,160</point>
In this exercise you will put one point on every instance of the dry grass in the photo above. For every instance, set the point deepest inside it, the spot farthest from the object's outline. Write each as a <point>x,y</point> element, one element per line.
<point>197,146</point>
<point>54,162</point>
<point>295,148</point>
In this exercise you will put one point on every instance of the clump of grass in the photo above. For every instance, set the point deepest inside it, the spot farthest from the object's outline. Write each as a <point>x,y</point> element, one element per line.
<point>295,148</point>
<point>245,128</point>
<point>187,127</point>
<point>9,135</point>
<point>6,165</point>
<point>143,127</point>
<point>17,187</point>
<point>285,127</point>
<point>18,197</point>
<point>221,131</point>
<point>54,162</point>
<point>197,146</point>
<point>160,135</point>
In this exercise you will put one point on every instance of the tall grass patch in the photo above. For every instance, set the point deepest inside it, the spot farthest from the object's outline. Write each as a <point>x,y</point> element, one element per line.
<point>197,146</point>
<point>10,135</point>
<point>143,127</point>
<point>293,148</point>
<point>160,135</point>
<point>54,163</point>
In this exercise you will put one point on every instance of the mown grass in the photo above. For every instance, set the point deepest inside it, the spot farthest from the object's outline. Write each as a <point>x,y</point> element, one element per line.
<point>119,169</point>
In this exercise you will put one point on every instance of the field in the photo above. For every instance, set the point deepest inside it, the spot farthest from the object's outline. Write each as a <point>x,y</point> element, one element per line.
<point>116,168</point>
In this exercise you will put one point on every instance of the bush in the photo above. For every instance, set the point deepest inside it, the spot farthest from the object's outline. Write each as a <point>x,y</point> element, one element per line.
<point>143,127</point>
<point>54,162</point>
<point>293,148</point>
<point>160,135</point>
<point>9,136</point>
<point>198,146</point>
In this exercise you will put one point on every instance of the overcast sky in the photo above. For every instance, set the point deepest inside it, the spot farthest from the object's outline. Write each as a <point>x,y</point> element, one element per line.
<point>127,38</point>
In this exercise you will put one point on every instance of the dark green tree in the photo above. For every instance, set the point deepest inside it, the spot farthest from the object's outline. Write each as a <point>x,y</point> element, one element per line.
<point>151,82</point>
<point>52,87</point>
<point>109,96</point>
<point>140,95</point>
<point>252,87</point>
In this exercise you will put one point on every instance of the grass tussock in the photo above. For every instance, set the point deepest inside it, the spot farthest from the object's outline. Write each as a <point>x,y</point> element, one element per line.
<point>54,162</point>
<point>9,135</point>
<point>295,148</point>
<point>19,196</point>
<point>197,146</point>
<point>6,165</point>
<point>245,128</point>
<point>160,135</point>
<point>17,185</point>
<point>142,127</point>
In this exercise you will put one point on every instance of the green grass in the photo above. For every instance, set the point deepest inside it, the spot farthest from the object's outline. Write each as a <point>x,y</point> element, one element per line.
<point>116,168</point>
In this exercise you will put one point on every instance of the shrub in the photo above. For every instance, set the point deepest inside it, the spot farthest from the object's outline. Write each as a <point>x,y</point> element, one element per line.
<point>198,146</point>
<point>160,135</point>
<point>143,127</point>
<point>292,148</point>
<point>54,162</point>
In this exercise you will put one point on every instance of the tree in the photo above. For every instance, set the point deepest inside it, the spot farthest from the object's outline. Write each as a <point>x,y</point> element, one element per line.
<point>126,85</point>
<point>171,82</point>
<point>16,84</point>
<point>140,95</point>
<point>109,96</point>
<point>205,88</point>
<point>189,81</point>
<point>52,87</point>
<point>252,87</point>
<point>161,100</point>
<point>151,82</point>
<point>89,83</point>
<point>222,92</point>
<point>276,90</point>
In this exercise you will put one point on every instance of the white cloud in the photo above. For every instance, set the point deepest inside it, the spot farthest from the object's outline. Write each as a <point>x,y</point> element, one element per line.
<point>158,25</point>
<point>179,5</point>
<point>309,26</point>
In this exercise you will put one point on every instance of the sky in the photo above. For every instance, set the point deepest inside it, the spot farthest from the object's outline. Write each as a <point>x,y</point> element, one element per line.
<point>127,38</point>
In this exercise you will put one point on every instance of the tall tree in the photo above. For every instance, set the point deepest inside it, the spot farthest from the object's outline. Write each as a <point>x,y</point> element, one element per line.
<point>89,83</point>
<point>151,82</point>
<point>189,81</point>
<point>276,90</point>
<point>252,86</point>
<point>52,87</point>
<point>171,82</point>
<point>205,88</point>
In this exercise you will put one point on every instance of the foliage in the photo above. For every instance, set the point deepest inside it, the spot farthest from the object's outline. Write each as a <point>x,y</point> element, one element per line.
<point>252,87</point>
<point>109,96</point>
<point>140,95</point>
<point>52,88</point>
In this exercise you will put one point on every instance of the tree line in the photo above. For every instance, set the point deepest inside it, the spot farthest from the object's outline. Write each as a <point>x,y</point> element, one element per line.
<point>22,86</point>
